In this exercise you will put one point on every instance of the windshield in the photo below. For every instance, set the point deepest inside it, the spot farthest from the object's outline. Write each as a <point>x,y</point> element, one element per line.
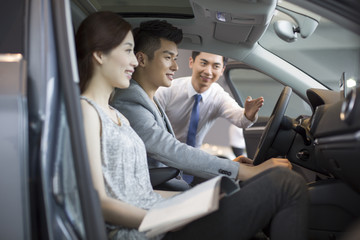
<point>329,54</point>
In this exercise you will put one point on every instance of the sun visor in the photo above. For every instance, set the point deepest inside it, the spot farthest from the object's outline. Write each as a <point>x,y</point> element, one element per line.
<point>246,25</point>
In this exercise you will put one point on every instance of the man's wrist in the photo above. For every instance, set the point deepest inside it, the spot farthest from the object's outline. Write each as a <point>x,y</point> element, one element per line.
<point>251,120</point>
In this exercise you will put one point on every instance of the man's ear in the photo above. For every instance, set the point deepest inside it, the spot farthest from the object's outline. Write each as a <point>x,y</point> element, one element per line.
<point>98,56</point>
<point>191,62</point>
<point>142,58</point>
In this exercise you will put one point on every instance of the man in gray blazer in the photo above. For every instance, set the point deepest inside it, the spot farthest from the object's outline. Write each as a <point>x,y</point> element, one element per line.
<point>156,51</point>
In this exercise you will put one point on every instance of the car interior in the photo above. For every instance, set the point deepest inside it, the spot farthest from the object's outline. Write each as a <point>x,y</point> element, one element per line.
<point>302,56</point>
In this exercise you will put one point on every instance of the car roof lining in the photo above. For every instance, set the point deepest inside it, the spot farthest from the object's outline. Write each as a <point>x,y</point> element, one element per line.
<point>243,21</point>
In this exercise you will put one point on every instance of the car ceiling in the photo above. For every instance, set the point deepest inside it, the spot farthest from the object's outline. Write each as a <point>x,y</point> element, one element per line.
<point>180,7</point>
<point>244,21</point>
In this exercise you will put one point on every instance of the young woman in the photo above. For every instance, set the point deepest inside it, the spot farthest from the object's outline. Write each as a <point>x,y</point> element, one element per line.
<point>105,44</point>
<point>118,163</point>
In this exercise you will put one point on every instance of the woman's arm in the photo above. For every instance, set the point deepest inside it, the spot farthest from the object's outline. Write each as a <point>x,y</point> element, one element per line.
<point>121,213</point>
<point>114,211</point>
<point>167,194</point>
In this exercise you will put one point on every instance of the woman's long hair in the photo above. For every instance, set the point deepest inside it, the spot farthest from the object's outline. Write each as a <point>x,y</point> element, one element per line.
<point>100,31</point>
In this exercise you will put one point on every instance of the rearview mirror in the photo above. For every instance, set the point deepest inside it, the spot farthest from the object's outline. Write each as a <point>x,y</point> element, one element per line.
<point>285,30</point>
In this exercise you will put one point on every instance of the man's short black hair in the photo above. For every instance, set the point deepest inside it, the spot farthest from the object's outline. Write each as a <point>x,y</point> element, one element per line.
<point>147,36</point>
<point>194,54</point>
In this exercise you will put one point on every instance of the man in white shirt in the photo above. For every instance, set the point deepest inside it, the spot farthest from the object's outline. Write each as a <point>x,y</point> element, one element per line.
<point>178,100</point>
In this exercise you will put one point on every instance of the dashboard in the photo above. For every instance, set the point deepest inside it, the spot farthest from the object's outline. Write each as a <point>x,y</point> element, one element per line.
<point>328,142</point>
<point>335,128</point>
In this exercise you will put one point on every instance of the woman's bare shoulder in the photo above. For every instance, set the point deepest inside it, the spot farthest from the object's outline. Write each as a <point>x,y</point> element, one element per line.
<point>89,112</point>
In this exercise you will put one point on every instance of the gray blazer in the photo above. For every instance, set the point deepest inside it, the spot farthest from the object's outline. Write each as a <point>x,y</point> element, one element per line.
<point>163,149</point>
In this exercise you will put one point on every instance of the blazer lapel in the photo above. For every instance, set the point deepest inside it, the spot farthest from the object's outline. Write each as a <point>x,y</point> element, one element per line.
<point>166,120</point>
<point>144,99</point>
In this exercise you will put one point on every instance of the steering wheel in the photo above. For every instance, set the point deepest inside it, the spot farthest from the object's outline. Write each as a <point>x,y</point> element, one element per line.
<point>272,126</point>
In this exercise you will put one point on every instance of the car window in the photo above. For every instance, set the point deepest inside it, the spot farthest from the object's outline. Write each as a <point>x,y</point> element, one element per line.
<point>326,54</point>
<point>250,82</point>
<point>65,186</point>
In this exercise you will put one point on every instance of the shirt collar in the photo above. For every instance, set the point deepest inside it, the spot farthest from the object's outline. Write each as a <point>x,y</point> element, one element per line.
<point>192,91</point>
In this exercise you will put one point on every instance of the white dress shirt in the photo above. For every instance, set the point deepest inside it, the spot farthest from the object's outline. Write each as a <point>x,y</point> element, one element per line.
<point>178,100</point>
<point>236,137</point>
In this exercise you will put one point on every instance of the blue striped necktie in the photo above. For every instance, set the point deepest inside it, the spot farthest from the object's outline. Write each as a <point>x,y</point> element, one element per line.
<point>191,137</point>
